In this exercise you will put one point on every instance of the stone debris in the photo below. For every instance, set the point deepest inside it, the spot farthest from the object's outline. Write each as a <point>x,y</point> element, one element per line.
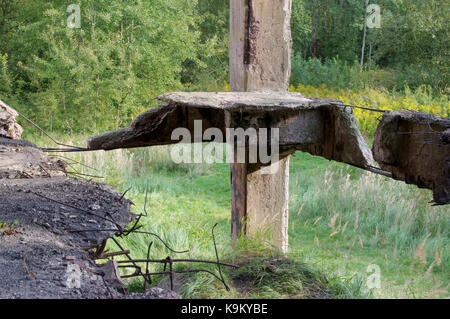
<point>21,159</point>
<point>159,293</point>
<point>8,125</point>
<point>154,293</point>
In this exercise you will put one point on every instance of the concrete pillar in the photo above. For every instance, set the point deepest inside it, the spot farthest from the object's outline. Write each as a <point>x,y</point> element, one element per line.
<point>260,48</point>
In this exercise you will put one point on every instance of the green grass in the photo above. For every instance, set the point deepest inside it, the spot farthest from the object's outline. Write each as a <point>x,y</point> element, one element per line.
<point>342,220</point>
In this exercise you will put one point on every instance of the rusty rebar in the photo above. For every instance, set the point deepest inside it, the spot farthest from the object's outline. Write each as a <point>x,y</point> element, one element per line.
<point>169,262</point>
<point>128,256</point>
<point>217,258</point>
<point>146,266</point>
<point>87,175</point>
<point>75,161</point>
<point>360,107</point>
<point>178,261</point>
<point>113,254</point>
<point>48,135</point>
<point>64,150</point>
<point>124,193</point>
<point>176,272</point>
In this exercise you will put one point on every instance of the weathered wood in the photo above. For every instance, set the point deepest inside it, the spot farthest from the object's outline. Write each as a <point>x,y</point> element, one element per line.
<point>8,125</point>
<point>415,148</point>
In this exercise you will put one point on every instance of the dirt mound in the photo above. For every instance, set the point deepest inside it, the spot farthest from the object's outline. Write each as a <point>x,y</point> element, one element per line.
<point>50,227</point>
<point>287,277</point>
<point>44,258</point>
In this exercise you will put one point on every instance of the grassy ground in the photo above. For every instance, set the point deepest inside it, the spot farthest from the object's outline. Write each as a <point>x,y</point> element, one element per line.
<point>346,226</point>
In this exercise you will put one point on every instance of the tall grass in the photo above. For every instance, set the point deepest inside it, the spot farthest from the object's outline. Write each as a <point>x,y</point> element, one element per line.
<point>379,212</point>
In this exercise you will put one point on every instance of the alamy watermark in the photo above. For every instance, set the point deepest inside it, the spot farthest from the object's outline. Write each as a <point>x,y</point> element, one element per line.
<point>74,18</point>
<point>249,145</point>
<point>373,19</point>
<point>373,280</point>
<point>74,274</point>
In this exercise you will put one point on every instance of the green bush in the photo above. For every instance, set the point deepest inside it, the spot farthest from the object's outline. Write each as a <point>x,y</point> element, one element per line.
<point>332,72</point>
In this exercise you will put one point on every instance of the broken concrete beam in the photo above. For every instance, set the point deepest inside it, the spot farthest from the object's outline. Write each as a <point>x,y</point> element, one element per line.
<point>260,200</point>
<point>319,126</point>
<point>237,101</point>
<point>415,148</point>
<point>155,127</point>
<point>8,125</point>
<point>342,141</point>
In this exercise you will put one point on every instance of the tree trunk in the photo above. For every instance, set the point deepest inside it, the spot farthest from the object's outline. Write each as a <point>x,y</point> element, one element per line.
<point>364,35</point>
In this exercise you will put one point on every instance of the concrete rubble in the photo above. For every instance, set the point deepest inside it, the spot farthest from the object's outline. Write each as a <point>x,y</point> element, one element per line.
<point>8,126</point>
<point>22,159</point>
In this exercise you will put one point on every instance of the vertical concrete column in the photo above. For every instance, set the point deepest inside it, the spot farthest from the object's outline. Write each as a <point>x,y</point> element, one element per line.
<point>260,48</point>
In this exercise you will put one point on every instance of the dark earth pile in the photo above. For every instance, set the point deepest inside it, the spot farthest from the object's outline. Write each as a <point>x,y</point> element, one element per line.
<point>42,259</point>
<point>45,250</point>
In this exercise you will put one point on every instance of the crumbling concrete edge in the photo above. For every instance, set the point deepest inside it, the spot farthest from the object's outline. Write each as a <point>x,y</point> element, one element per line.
<point>415,148</point>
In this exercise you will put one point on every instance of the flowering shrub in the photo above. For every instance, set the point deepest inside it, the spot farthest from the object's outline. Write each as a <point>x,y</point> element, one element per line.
<point>420,100</point>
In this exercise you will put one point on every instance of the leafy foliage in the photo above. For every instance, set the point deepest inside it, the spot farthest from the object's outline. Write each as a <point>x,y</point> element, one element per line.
<point>128,52</point>
<point>412,40</point>
<point>113,67</point>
